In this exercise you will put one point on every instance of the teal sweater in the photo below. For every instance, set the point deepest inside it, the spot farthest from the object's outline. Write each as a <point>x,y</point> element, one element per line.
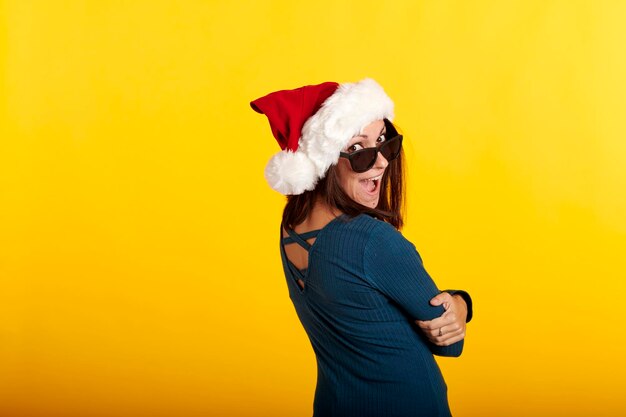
<point>364,287</point>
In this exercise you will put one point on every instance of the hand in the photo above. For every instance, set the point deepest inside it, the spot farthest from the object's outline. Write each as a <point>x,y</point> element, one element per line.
<point>450,327</point>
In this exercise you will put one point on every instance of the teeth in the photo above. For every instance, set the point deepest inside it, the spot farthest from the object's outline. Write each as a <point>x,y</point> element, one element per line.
<point>373,178</point>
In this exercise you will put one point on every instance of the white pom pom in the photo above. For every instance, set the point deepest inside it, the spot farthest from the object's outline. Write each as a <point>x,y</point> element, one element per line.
<point>291,173</point>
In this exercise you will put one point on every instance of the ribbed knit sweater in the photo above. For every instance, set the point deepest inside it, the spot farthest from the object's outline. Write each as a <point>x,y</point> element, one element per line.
<point>364,287</point>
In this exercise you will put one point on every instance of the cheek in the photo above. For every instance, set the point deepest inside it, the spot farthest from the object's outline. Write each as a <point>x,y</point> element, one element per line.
<point>345,175</point>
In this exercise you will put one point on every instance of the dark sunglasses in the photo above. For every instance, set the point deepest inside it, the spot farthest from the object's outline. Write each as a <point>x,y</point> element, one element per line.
<point>364,159</point>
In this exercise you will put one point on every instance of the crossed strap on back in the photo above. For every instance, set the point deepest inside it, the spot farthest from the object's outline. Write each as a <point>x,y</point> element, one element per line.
<point>300,239</point>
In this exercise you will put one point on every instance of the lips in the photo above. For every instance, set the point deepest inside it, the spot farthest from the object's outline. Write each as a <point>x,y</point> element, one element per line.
<point>372,184</point>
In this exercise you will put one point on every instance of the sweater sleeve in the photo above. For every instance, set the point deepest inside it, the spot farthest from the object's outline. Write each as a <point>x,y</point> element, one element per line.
<point>393,266</point>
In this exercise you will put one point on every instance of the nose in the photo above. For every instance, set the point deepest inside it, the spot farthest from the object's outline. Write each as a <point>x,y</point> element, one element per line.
<point>381,161</point>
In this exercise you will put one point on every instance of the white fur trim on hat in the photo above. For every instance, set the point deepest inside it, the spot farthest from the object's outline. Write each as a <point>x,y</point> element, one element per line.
<point>342,116</point>
<point>291,173</point>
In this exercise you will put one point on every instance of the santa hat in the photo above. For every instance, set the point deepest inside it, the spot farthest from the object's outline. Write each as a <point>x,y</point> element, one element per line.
<point>312,124</point>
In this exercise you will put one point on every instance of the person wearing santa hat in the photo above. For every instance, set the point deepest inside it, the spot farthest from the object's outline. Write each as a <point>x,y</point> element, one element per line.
<point>372,313</point>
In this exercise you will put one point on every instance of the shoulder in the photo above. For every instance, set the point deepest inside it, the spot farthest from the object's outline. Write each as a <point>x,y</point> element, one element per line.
<point>368,234</point>
<point>382,232</point>
<point>366,226</point>
<point>377,235</point>
<point>386,242</point>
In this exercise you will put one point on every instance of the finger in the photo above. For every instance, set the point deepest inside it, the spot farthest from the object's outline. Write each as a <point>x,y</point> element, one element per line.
<point>434,325</point>
<point>424,325</point>
<point>440,299</point>
<point>449,338</point>
<point>445,319</point>
<point>453,340</point>
<point>445,332</point>
<point>429,324</point>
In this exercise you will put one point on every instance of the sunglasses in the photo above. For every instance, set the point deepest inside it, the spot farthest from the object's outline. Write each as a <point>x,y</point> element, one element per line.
<point>363,159</point>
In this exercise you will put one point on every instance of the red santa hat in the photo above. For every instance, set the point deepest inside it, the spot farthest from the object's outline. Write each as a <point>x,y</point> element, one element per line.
<point>312,124</point>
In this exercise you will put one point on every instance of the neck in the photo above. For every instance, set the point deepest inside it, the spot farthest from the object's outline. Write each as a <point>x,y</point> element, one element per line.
<point>320,216</point>
<point>323,210</point>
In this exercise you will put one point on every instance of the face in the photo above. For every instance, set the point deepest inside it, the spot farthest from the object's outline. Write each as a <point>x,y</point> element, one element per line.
<point>364,188</point>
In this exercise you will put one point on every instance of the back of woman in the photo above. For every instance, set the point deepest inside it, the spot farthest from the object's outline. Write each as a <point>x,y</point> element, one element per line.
<point>371,361</point>
<point>357,284</point>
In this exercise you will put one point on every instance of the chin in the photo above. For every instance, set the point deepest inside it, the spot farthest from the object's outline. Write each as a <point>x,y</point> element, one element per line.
<point>369,203</point>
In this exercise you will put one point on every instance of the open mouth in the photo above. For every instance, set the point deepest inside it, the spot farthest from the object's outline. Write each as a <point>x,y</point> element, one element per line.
<point>372,185</point>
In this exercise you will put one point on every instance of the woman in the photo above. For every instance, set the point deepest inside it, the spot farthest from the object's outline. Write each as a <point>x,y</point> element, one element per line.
<point>358,286</point>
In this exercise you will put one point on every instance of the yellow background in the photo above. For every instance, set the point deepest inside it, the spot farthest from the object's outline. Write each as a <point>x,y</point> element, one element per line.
<point>139,266</point>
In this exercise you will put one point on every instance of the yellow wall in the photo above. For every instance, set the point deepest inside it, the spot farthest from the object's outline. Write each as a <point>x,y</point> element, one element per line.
<point>139,267</point>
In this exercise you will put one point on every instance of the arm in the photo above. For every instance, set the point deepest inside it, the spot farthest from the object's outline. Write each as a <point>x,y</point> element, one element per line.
<point>393,266</point>
<point>451,326</point>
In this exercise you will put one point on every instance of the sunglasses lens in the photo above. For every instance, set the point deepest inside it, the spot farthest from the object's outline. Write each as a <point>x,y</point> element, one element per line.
<point>391,148</point>
<point>363,160</point>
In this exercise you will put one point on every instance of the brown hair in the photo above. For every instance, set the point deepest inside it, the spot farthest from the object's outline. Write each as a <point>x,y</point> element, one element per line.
<point>390,205</point>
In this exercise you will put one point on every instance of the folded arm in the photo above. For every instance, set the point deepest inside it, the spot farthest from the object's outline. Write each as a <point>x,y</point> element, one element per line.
<point>393,265</point>
<point>450,327</point>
